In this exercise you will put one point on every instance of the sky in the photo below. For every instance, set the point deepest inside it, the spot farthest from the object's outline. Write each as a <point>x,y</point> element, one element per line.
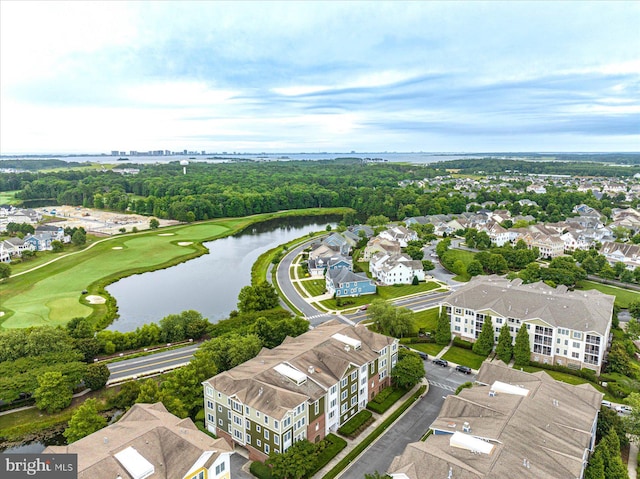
<point>456,76</point>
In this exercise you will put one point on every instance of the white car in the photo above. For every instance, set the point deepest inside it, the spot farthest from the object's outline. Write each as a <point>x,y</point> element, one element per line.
<point>607,404</point>
<point>623,409</point>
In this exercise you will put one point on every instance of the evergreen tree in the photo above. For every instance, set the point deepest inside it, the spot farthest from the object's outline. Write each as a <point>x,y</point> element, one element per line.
<point>484,343</point>
<point>443,328</point>
<point>595,469</point>
<point>522,349</point>
<point>614,468</point>
<point>504,349</point>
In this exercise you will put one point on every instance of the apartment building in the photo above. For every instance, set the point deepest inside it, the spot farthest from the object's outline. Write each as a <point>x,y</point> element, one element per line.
<point>568,328</point>
<point>510,424</point>
<point>303,389</point>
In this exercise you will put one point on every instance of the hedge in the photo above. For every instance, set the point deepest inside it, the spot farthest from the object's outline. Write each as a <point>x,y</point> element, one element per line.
<point>585,373</point>
<point>334,445</point>
<point>260,470</point>
<point>356,424</point>
<point>461,343</point>
<point>390,400</point>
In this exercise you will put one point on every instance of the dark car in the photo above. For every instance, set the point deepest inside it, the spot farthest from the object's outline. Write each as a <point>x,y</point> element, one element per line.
<point>441,362</point>
<point>423,355</point>
<point>463,369</point>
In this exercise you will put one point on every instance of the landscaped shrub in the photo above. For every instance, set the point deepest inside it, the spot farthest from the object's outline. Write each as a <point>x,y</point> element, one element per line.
<point>383,395</point>
<point>388,402</point>
<point>260,470</point>
<point>588,374</point>
<point>461,343</point>
<point>332,446</point>
<point>468,384</point>
<point>356,424</point>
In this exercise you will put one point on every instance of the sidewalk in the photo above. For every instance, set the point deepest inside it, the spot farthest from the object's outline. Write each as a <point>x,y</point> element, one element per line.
<point>633,458</point>
<point>352,443</point>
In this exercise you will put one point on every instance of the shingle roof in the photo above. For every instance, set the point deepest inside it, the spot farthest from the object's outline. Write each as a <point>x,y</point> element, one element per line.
<point>581,311</point>
<point>257,384</point>
<point>541,435</point>
<point>171,444</point>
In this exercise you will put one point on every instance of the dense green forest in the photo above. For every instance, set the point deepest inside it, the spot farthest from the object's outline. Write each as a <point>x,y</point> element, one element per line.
<point>239,189</point>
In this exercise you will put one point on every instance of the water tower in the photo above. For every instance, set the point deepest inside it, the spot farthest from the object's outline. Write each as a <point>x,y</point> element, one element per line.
<point>184,164</point>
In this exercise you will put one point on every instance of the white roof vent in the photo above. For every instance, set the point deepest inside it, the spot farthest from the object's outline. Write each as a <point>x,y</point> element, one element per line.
<point>470,443</point>
<point>466,427</point>
<point>293,374</point>
<point>311,369</point>
<point>500,387</point>
<point>135,464</point>
<point>354,343</point>
<point>492,393</point>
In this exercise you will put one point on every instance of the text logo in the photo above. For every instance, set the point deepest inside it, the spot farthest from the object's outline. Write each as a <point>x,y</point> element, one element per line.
<point>39,466</point>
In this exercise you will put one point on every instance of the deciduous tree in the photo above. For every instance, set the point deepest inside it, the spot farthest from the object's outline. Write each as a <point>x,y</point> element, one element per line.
<point>96,376</point>
<point>85,421</point>
<point>409,369</point>
<point>54,392</point>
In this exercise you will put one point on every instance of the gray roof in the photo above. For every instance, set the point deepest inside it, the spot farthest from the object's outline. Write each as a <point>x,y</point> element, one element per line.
<point>257,384</point>
<point>171,444</point>
<point>344,275</point>
<point>586,311</point>
<point>550,428</point>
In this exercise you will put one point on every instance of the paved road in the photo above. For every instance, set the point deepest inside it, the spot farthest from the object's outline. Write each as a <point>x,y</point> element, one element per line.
<point>410,427</point>
<point>154,363</point>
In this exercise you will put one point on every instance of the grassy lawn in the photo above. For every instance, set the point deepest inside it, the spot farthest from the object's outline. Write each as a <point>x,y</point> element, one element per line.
<point>432,349</point>
<point>426,319</point>
<point>52,295</point>
<point>8,197</point>
<point>354,302</point>
<point>623,296</point>
<point>465,256</point>
<point>464,357</point>
<point>397,291</point>
<point>315,287</point>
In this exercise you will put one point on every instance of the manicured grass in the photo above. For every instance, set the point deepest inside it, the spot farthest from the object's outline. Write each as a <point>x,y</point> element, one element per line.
<point>432,349</point>
<point>426,319</point>
<point>51,295</point>
<point>463,357</point>
<point>466,257</point>
<point>624,297</point>
<point>9,197</point>
<point>301,291</point>
<point>392,292</point>
<point>315,287</point>
<point>354,302</point>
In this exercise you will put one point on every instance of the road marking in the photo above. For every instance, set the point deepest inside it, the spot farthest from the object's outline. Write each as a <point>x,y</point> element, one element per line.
<point>441,386</point>
<point>152,365</point>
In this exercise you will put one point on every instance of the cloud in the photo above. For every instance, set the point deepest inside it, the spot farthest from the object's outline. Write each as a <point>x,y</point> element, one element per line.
<point>380,75</point>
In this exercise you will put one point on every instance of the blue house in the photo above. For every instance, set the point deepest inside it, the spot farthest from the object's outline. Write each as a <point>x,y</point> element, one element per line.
<point>317,266</point>
<point>344,283</point>
<point>40,241</point>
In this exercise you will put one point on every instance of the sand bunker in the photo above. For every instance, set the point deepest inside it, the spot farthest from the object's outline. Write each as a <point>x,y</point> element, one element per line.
<point>96,299</point>
<point>185,243</point>
<point>166,234</point>
<point>117,247</point>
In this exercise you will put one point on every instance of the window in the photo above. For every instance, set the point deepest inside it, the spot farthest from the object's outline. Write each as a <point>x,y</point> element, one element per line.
<point>200,475</point>
<point>354,387</point>
<point>209,391</point>
<point>317,407</point>
<point>576,344</point>
<point>258,428</point>
<point>498,320</point>
<point>286,423</point>
<point>209,404</point>
<point>354,400</point>
<point>276,425</point>
<point>333,403</point>
<point>238,435</point>
<point>229,415</point>
<point>220,468</point>
<point>219,408</point>
<point>258,443</point>
<point>237,420</point>
<point>343,382</point>
<point>246,410</point>
<point>354,375</point>
<point>247,424</point>
<point>373,368</point>
<point>334,389</point>
<point>266,419</point>
<point>220,422</point>
<point>210,418</point>
<point>248,438</point>
<point>343,396</point>
<point>257,413</point>
<point>266,448</point>
<point>276,439</point>
<point>266,434</point>
<point>576,335</point>
<point>343,408</point>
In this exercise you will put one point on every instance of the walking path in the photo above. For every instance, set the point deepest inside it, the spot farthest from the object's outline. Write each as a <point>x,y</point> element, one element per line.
<point>633,459</point>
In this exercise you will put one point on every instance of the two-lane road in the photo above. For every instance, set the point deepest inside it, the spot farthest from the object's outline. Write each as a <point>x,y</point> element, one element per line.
<point>154,363</point>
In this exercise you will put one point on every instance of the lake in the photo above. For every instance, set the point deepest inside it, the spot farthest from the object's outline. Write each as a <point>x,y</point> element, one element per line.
<point>210,283</point>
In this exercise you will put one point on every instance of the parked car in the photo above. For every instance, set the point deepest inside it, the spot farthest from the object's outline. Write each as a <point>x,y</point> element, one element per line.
<point>441,362</point>
<point>423,355</point>
<point>364,308</point>
<point>623,409</point>
<point>463,369</point>
<point>607,404</point>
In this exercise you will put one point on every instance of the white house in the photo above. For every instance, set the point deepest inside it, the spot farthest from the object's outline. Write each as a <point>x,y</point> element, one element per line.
<point>395,269</point>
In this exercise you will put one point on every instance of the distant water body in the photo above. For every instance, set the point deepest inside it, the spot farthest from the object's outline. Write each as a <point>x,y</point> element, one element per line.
<point>416,158</point>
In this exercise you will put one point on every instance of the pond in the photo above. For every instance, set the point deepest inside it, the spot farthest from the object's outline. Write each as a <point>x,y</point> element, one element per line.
<point>210,283</point>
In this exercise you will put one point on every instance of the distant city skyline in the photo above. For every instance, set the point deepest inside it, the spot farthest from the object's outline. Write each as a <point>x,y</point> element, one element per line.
<point>286,77</point>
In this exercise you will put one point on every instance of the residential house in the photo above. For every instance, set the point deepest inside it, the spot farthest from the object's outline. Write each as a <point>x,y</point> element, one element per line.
<point>573,240</point>
<point>510,424</point>
<point>400,234</point>
<point>366,230</point>
<point>5,256</point>
<point>57,232</point>
<point>343,282</point>
<point>568,328</point>
<point>627,253</point>
<point>303,389</point>
<point>339,243</point>
<point>15,246</point>
<point>148,441</point>
<point>395,269</point>
<point>40,241</point>
<point>549,246</point>
<point>318,266</point>
<point>377,244</point>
